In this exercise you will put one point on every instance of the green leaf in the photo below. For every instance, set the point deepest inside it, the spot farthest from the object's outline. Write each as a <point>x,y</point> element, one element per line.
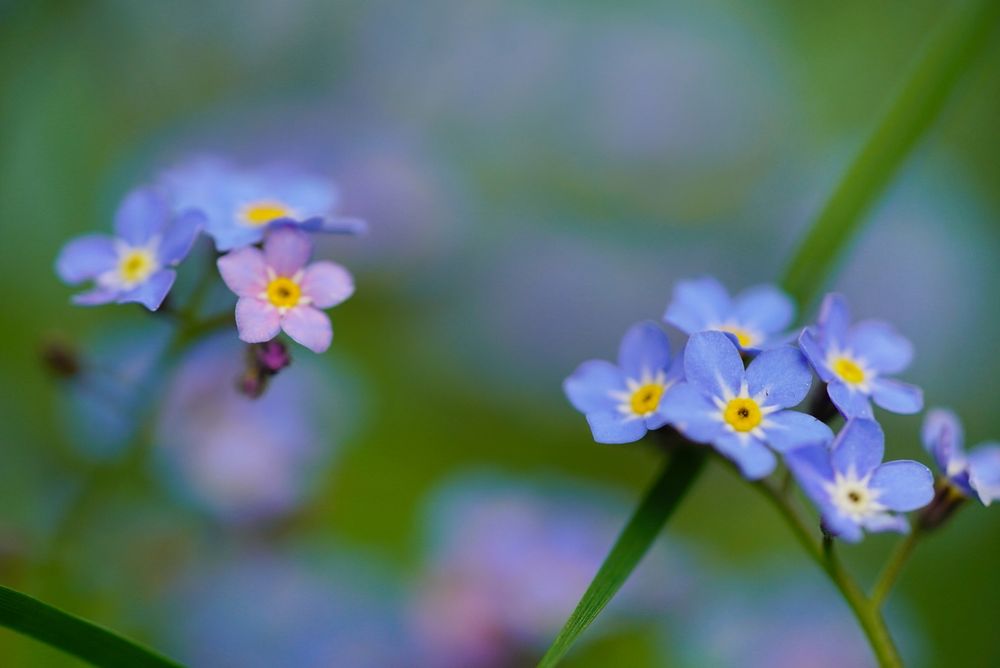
<point>656,508</point>
<point>73,635</point>
<point>914,109</point>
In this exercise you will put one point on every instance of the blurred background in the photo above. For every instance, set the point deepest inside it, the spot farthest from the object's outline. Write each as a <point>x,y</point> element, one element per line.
<point>536,176</point>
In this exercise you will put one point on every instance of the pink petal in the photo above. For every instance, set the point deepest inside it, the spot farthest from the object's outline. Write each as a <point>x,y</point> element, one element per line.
<point>256,320</point>
<point>327,284</point>
<point>286,250</point>
<point>309,327</point>
<point>244,271</point>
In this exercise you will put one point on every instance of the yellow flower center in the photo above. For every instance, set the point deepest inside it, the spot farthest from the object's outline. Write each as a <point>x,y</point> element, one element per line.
<point>136,265</point>
<point>646,399</point>
<point>848,370</point>
<point>256,214</point>
<point>745,338</point>
<point>742,414</point>
<point>283,292</point>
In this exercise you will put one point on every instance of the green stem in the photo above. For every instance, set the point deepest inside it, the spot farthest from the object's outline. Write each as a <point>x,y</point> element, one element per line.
<point>894,566</point>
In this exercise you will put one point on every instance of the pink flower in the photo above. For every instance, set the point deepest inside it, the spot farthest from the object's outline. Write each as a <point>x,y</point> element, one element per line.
<point>278,290</point>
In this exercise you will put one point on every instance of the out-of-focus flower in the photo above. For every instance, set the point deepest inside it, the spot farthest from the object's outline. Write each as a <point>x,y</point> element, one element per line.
<point>853,489</point>
<point>622,402</point>
<point>741,411</point>
<point>240,205</point>
<point>507,562</point>
<point>755,318</point>
<point>852,360</point>
<point>278,291</point>
<point>974,474</point>
<point>134,265</point>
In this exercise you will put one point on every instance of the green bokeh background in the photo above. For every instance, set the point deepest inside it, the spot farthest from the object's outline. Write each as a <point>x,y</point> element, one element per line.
<point>558,186</point>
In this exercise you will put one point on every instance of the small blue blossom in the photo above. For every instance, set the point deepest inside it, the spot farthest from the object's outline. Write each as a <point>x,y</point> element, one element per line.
<point>853,361</point>
<point>974,474</point>
<point>134,265</point>
<point>623,402</point>
<point>741,411</point>
<point>240,205</point>
<point>853,489</point>
<point>756,318</point>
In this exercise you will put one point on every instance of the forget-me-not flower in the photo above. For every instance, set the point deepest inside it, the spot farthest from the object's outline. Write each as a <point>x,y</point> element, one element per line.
<point>974,474</point>
<point>241,204</point>
<point>742,411</point>
<point>623,401</point>
<point>853,361</point>
<point>135,264</point>
<point>756,318</point>
<point>853,489</point>
<point>279,290</point>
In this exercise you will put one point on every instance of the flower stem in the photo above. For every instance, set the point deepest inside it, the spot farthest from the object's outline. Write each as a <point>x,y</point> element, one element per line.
<point>894,566</point>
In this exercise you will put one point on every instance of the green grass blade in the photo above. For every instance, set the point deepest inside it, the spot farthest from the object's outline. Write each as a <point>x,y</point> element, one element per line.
<point>914,110</point>
<point>73,635</point>
<point>656,508</point>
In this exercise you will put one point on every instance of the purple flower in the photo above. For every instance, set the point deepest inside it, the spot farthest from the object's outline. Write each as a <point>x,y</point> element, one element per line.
<point>622,402</point>
<point>756,318</point>
<point>851,486</point>
<point>853,361</point>
<point>279,291</point>
<point>974,474</point>
<point>741,411</point>
<point>132,266</point>
<point>240,205</point>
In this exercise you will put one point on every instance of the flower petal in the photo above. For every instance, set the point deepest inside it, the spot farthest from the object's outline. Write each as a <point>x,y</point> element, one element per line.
<point>896,396</point>
<point>142,215</point>
<point>589,388</point>
<point>256,320</point>
<point>879,344</point>
<point>644,350</point>
<point>887,522</point>
<point>834,319</point>
<point>614,428</point>
<point>944,439</point>
<point>86,257</point>
<point>287,250</point>
<point>859,447</point>
<point>779,377</point>
<point>327,284</point>
<point>244,271</point>
<point>811,467</point>
<point>764,308</point>
<point>310,327</point>
<point>152,292</point>
<point>95,297</point>
<point>984,472</point>
<point>815,353</point>
<point>691,413</point>
<point>179,236</point>
<point>850,401</point>
<point>713,365</point>
<point>351,226</point>
<point>787,430</point>
<point>753,458</point>
<point>698,304</point>
<point>841,526</point>
<point>903,485</point>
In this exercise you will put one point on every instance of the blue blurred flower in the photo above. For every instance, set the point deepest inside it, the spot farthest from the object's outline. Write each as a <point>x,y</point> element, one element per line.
<point>622,402</point>
<point>756,318</point>
<point>741,411</point>
<point>851,486</point>
<point>134,265</point>
<point>240,205</point>
<point>974,474</point>
<point>852,360</point>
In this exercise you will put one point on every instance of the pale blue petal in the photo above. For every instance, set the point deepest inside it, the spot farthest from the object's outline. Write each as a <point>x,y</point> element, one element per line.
<point>896,396</point>
<point>589,388</point>
<point>349,226</point>
<point>691,413</point>
<point>712,364</point>
<point>698,304</point>
<point>879,344</point>
<point>903,485</point>
<point>943,438</point>
<point>86,257</point>
<point>841,526</point>
<point>753,458</point>
<point>95,297</point>
<point>179,236</point>
<point>834,319</point>
<point>230,235</point>
<point>984,472</point>
<point>849,401</point>
<point>764,308</point>
<point>612,427</point>
<point>779,377</point>
<point>815,353</point>
<point>859,447</point>
<point>151,293</point>
<point>645,349</point>
<point>787,430</point>
<point>811,467</point>
<point>142,215</point>
<point>885,522</point>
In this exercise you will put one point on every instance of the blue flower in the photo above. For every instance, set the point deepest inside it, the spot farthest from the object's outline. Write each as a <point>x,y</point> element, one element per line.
<point>974,474</point>
<point>134,265</point>
<point>851,486</point>
<point>756,318</point>
<point>241,205</point>
<point>622,402</point>
<point>853,361</point>
<point>741,411</point>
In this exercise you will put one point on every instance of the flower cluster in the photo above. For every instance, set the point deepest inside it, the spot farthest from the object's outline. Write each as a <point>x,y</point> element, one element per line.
<point>278,208</point>
<point>741,374</point>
